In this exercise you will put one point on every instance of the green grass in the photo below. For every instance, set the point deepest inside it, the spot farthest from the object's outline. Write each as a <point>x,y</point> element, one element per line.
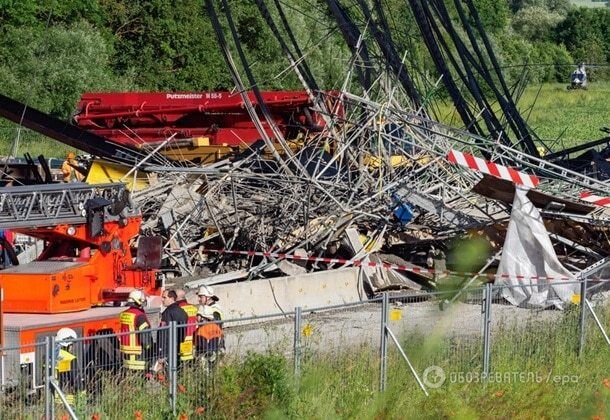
<point>572,116</point>
<point>561,118</point>
<point>588,3</point>
<point>346,387</point>
<point>343,383</point>
<point>30,142</point>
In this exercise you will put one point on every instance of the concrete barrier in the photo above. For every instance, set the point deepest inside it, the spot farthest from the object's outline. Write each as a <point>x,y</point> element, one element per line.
<point>283,294</point>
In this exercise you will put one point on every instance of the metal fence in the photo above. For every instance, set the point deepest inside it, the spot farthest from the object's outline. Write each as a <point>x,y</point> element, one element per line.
<point>414,340</point>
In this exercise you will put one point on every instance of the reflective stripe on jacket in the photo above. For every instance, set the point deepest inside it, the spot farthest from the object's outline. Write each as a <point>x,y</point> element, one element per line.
<point>187,352</point>
<point>129,322</point>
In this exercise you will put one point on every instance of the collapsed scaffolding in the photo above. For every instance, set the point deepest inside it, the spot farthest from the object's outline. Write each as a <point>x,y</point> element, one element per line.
<point>370,180</point>
<point>377,171</point>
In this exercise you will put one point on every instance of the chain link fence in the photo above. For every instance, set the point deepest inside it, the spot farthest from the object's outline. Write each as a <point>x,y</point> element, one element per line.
<point>412,340</point>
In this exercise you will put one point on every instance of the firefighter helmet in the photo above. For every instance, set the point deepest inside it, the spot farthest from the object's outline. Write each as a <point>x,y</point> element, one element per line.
<point>207,291</point>
<point>64,335</point>
<point>137,297</point>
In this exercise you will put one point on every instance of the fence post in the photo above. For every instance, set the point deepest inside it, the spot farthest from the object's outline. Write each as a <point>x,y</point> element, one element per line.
<point>297,341</point>
<point>583,317</point>
<point>50,374</point>
<point>597,321</point>
<point>486,327</point>
<point>383,351</point>
<point>47,380</point>
<point>173,362</point>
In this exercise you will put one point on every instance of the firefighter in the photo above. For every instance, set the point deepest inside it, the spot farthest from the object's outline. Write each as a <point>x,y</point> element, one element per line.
<point>172,313</point>
<point>208,298</point>
<point>209,337</point>
<point>135,348</point>
<point>66,368</point>
<point>67,168</point>
<point>187,352</point>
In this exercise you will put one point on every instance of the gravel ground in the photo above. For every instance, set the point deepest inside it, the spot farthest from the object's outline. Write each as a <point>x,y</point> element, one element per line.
<point>340,328</point>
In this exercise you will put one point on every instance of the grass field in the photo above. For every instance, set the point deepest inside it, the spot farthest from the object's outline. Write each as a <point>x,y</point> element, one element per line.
<point>30,142</point>
<point>561,118</point>
<point>535,372</point>
<point>346,387</point>
<point>588,3</point>
<point>567,117</point>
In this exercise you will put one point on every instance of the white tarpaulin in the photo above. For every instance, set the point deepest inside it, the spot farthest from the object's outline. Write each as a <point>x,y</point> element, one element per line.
<point>528,252</point>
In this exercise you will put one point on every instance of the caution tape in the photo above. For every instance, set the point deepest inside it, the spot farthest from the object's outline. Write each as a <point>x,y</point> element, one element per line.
<point>363,263</point>
<point>491,168</point>
<point>595,199</point>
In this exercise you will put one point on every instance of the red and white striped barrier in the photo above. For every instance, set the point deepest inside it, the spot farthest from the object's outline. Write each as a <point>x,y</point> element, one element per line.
<point>490,168</point>
<point>595,199</point>
<point>361,263</point>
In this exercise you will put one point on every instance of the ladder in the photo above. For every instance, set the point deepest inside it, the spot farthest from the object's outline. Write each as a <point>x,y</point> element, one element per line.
<point>52,204</point>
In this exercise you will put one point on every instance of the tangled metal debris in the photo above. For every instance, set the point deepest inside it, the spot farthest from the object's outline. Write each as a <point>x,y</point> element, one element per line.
<point>373,182</point>
<point>376,171</point>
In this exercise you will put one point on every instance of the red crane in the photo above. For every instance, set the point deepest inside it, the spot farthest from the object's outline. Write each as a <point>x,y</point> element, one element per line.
<point>220,118</point>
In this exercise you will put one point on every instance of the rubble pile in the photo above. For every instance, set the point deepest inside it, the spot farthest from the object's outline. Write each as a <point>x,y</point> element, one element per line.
<point>374,183</point>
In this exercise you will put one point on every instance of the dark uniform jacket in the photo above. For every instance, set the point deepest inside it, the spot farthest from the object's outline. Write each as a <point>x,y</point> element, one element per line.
<point>172,313</point>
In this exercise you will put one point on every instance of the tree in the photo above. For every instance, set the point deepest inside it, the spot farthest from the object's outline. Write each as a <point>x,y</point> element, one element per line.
<point>586,34</point>
<point>535,23</point>
<point>493,14</point>
<point>166,45</point>
<point>51,68</point>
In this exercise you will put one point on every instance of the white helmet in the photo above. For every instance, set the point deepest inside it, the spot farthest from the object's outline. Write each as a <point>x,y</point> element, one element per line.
<point>136,296</point>
<point>207,291</point>
<point>206,312</point>
<point>65,334</point>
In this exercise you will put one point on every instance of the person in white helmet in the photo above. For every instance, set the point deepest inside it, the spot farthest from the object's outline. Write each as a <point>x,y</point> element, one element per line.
<point>208,298</point>
<point>66,367</point>
<point>209,337</point>
<point>135,348</point>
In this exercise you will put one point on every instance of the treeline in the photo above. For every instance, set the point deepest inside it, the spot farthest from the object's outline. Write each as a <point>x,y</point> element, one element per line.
<point>52,51</point>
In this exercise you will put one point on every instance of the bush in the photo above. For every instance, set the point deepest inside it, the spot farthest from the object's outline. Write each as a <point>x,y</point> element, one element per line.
<point>50,69</point>
<point>268,374</point>
<point>241,387</point>
<point>535,23</point>
<point>546,61</point>
<point>558,59</point>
